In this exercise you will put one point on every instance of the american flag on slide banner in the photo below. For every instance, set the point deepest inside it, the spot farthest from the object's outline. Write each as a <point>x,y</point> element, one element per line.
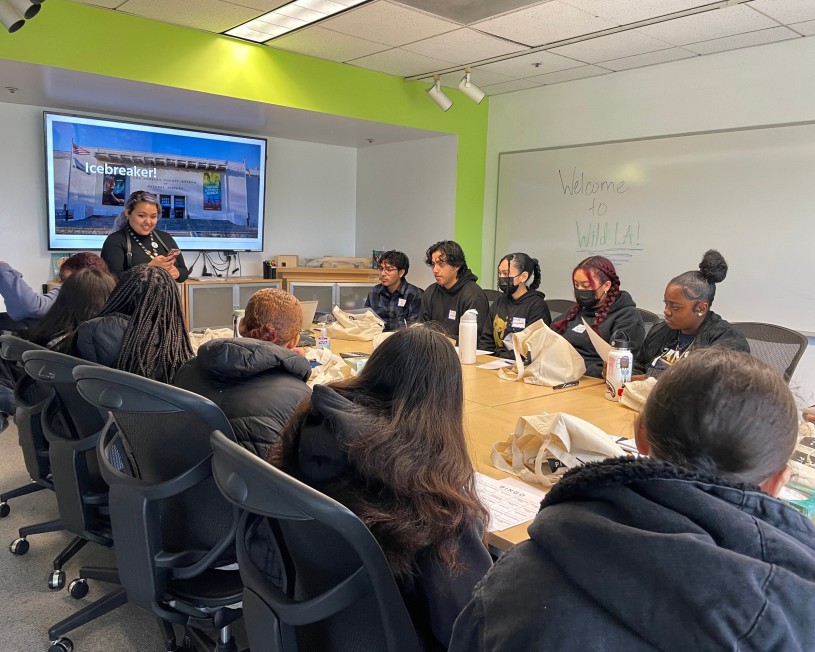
<point>80,150</point>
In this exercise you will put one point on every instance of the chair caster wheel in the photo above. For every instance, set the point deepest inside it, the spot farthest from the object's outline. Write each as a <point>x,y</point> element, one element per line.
<point>56,580</point>
<point>78,589</point>
<point>61,645</point>
<point>5,510</point>
<point>19,546</point>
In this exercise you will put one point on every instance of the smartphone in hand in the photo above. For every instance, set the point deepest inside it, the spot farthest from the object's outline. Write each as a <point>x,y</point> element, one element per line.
<point>173,253</point>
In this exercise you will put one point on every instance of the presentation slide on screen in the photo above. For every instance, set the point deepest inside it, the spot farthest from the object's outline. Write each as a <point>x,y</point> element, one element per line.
<point>210,187</point>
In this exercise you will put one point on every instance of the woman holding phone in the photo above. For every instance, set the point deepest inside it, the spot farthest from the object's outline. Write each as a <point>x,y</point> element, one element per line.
<point>136,241</point>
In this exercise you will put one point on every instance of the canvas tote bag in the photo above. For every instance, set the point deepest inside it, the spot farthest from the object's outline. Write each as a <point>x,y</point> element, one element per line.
<point>361,328</point>
<point>553,359</point>
<point>566,439</point>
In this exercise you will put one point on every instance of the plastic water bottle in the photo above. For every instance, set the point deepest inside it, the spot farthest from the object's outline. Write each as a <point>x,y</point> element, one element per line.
<point>468,336</point>
<point>323,342</point>
<point>618,368</point>
<point>237,317</point>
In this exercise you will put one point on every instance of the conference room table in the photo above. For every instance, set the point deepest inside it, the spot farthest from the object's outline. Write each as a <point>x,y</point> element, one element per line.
<point>492,407</point>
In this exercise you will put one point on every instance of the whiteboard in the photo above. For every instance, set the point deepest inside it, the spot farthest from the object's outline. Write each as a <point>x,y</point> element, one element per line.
<point>654,206</point>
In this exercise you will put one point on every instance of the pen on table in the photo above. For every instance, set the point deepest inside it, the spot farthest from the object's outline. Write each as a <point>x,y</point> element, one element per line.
<point>565,385</point>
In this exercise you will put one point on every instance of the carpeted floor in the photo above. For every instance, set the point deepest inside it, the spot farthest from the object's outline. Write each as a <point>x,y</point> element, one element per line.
<point>29,607</point>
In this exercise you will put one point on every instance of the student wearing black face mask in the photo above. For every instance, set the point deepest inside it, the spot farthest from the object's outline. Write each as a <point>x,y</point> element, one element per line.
<point>518,306</point>
<point>604,307</point>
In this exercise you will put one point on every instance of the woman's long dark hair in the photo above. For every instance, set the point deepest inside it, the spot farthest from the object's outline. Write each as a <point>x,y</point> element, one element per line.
<point>82,296</point>
<point>156,343</point>
<point>410,479</point>
<point>602,269</point>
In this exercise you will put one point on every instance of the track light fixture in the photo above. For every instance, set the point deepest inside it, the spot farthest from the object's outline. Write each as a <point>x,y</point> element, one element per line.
<point>437,94</point>
<point>27,8</point>
<point>11,19</point>
<point>469,89</point>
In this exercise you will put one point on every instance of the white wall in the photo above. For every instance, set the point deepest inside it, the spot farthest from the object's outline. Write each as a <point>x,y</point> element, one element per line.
<point>406,194</point>
<point>768,84</point>
<point>310,198</point>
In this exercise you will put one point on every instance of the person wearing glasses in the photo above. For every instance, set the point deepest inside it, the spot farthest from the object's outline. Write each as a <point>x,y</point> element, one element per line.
<point>395,300</point>
<point>519,304</point>
<point>455,291</point>
<point>136,241</point>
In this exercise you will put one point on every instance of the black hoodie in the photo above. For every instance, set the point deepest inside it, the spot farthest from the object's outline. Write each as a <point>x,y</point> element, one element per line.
<point>635,555</point>
<point>508,315</point>
<point>446,306</point>
<point>257,384</point>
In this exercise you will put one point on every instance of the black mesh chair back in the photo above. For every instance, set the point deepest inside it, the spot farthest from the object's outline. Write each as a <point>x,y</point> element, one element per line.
<point>72,427</point>
<point>31,397</point>
<point>559,307</point>
<point>650,319</point>
<point>779,347</point>
<point>335,590</point>
<point>171,524</point>
<point>492,295</point>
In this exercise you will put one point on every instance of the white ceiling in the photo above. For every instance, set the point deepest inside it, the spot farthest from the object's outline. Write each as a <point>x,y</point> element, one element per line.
<point>511,44</point>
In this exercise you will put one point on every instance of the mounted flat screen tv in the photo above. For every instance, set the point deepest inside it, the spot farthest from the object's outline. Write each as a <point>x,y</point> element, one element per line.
<point>210,186</point>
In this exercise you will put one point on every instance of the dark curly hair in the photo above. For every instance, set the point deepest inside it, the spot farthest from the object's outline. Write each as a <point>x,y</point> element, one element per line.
<point>603,269</point>
<point>451,251</point>
<point>397,259</point>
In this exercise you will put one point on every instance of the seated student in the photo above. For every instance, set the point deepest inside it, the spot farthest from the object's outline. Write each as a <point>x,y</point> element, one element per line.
<point>455,291</point>
<point>82,296</point>
<point>605,307</point>
<point>689,323</point>
<point>517,307</point>
<point>22,302</point>
<point>389,444</point>
<point>256,379</point>
<point>141,328</point>
<point>685,550</point>
<point>395,300</point>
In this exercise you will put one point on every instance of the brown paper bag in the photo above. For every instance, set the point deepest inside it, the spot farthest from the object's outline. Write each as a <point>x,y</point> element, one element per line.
<point>563,438</point>
<point>361,328</point>
<point>553,359</point>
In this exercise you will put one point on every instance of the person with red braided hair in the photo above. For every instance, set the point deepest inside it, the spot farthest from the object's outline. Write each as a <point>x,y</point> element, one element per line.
<point>606,309</point>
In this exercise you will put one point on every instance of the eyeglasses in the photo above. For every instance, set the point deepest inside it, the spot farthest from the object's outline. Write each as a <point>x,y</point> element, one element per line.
<point>389,270</point>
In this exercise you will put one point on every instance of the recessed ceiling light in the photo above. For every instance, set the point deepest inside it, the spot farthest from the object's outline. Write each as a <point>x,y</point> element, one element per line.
<point>290,17</point>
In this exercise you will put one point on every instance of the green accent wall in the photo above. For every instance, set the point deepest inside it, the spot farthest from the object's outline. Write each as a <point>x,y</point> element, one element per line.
<point>93,40</point>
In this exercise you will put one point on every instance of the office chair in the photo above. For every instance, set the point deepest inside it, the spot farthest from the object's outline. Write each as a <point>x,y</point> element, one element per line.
<point>337,591</point>
<point>172,527</point>
<point>72,427</point>
<point>559,307</point>
<point>492,295</point>
<point>31,397</point>
<point>779,347</point>
<point>650,319</point>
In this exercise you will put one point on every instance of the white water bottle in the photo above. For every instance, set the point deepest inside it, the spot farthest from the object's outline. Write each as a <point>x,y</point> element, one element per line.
<point>237,316</point>
<point>468,336</point>
<point>618,368</point>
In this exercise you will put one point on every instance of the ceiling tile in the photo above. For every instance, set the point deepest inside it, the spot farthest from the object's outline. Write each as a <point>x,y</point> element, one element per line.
<point>463,46</point>
<point>107,4</point>
<point>323,43</point>
<point>466,11</point>
<point>532,64</point>
<point>807,28</point>
<point>716,23</point>
<point>388,23</point>
<point>788,11</point>
<point>480,78</point>
<point>400,63</point>
<point>508,87</point>
<point>544,23</point>
<point>209,15</point>
<point>648,59</point>
<point>742,40</point>
<point>260,5</point>
<point>623,13</point>
<point>613,46</point>
<point>569,75</point>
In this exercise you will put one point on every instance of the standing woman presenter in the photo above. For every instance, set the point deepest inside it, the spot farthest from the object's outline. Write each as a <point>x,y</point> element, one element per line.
<point>136,241</point>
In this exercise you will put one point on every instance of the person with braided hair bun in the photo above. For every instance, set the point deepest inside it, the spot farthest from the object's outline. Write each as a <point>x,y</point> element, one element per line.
<point>606,308</point>
<point>141,327</point>
<point>689,322</point>
<point>519,305</point>
<point>256,379</point>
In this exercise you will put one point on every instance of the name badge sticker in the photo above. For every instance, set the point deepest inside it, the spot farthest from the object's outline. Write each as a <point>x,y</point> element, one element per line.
<point>580,328</point>
<point>401,303</point>
<point>451,314</point>
<point>519,322</point>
